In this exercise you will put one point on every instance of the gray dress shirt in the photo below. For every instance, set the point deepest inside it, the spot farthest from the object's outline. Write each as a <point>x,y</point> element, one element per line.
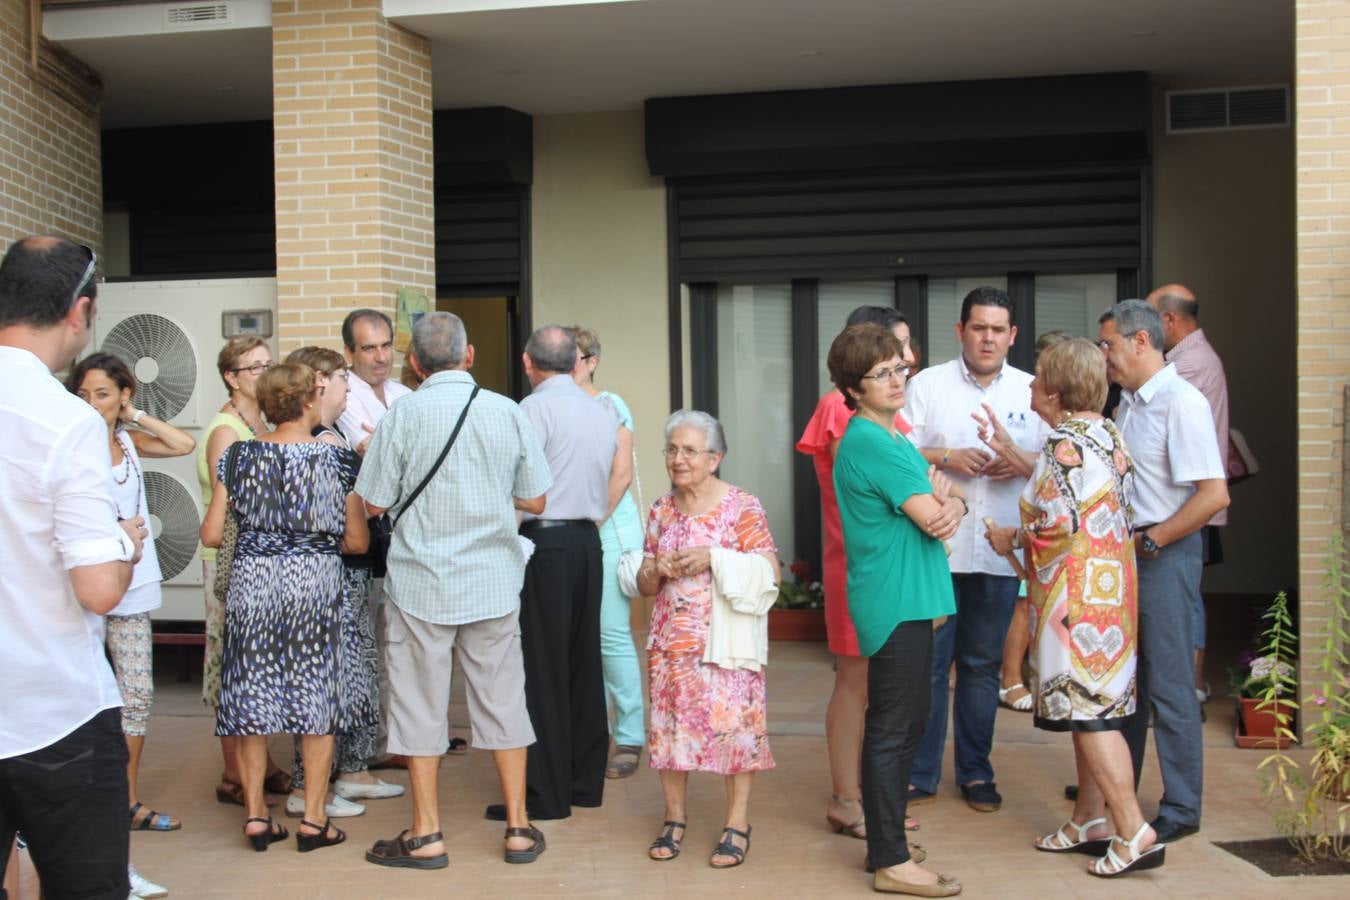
<point>579,434</point>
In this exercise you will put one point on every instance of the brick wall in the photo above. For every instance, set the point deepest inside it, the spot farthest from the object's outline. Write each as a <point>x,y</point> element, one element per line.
<point>1322,121</point>
<point>50,178</point>
<point>352,117</point>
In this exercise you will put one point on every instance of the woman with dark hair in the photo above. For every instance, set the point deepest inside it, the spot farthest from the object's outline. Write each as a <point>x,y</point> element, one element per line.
<point>358,662</point>
<point>848,701</point>
<point>105,383</point>
<point>899,585</point>
<point>296,512</point>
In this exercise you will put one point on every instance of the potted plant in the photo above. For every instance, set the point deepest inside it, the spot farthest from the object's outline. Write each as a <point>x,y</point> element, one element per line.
<point>1264,681</point>
<point>799,613</point>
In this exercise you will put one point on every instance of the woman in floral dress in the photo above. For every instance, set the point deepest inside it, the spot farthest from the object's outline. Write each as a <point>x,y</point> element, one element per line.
<point>704,718</point>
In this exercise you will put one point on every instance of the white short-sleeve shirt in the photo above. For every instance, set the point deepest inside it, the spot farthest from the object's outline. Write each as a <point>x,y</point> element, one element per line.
<point>939,404</point>
<point>56,500</point>
<point>1169,429</point>
<point>364,408</point>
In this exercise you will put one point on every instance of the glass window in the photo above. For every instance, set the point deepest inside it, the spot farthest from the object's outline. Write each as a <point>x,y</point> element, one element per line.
<point>944,311</point>
<point>835,300</point>
<point>754,398</point>
<point>1073,303</point>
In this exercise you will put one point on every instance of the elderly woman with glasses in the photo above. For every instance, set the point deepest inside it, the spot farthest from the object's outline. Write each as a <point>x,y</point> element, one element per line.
<point>704,717</point>
<point>898,585</point>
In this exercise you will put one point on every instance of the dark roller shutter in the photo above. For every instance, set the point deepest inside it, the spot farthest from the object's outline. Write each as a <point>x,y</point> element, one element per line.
<point>878,223</point>
<point>479,239</point>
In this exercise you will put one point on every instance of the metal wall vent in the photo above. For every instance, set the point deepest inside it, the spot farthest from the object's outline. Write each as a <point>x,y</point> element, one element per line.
<point>1222,109</point>
<point>195,15</point>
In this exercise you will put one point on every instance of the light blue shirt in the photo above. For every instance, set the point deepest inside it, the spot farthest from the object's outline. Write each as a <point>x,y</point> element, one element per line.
<point>579,435</point>
<point>622,531</point>
<point>454,557</point>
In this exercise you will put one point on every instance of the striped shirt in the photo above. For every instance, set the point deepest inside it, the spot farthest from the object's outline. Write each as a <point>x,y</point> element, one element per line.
<point>454,557</point>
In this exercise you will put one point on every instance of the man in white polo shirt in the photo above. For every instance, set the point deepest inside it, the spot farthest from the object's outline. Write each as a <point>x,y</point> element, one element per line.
<point>940,403</point>
<point>1179,484</point>
<point>66,562</point>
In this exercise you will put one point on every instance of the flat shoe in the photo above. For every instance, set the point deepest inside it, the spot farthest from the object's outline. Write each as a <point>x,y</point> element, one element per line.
<point>153,821</point>
<point>525,856</point>
<point>946,886</point>
<point>355,790</point>
<point>982,796</point>
<point>625,761</point>
<point>916,853</point>
<point>397,853</point>
<point>458,747</point>
<point>1021,704</point>
<point>337,808</point>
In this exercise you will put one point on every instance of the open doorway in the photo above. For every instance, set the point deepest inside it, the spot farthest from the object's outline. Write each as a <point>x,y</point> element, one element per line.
<point>493,327</point>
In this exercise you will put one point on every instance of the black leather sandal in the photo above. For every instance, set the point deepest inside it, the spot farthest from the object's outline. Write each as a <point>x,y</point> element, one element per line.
<point>263,839</point>
<point>307,842</point>
<point>726,848</point>
<point>531,854</point>
<point>667,841</point>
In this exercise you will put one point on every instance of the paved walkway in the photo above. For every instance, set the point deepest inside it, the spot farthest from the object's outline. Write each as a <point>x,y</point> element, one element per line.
<point>602,852</point>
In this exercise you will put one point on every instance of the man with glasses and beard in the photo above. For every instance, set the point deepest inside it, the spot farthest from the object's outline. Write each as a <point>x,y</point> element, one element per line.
<point>67,561</point>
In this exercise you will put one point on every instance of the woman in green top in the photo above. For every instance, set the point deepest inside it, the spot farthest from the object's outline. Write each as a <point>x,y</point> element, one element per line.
<point>898,584</point>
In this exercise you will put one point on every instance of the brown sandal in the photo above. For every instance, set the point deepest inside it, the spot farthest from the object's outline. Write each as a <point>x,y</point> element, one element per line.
<point>530,855</point>
<point>278,782</point>
<point>397,853</point>
<point>233,792</point>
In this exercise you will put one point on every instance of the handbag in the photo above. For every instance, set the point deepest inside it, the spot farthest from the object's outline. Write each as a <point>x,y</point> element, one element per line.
<point>631,560</point>
<point>229,536</point>
<point>381,532</point>
<point>435,467</point>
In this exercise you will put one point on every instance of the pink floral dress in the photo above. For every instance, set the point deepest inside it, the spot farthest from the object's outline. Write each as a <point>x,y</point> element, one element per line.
<point>704,718</point>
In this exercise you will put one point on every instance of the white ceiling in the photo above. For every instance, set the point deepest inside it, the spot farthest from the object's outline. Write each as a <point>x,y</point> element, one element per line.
<point>547,59</point>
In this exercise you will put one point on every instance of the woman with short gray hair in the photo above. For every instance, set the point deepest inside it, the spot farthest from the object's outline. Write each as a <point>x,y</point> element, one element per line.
<point>704,717</point>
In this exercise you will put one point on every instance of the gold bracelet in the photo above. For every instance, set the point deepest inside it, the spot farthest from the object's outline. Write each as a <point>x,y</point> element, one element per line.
<point>945,456</point>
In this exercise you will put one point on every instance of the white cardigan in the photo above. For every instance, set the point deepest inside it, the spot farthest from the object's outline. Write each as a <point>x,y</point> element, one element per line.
<point>743,590</point>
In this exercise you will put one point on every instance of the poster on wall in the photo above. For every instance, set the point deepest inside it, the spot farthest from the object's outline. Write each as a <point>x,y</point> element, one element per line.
<point>411,307</point>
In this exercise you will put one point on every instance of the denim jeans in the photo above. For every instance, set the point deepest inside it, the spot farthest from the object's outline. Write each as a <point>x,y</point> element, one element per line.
<point>896,709</point>
<point>974,638</point>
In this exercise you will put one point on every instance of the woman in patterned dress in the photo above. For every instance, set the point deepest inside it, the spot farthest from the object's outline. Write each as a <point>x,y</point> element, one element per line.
<point>279,670</point>
<point>358,660</point>
<point>703,718</point>
<point>1081,587</point>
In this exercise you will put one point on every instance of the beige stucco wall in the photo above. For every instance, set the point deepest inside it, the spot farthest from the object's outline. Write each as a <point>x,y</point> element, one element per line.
<point>1223,224</point>
<point>598,233</point>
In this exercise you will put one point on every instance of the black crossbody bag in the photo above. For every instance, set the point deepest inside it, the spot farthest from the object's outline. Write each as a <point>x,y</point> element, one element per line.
<point>435,467</point>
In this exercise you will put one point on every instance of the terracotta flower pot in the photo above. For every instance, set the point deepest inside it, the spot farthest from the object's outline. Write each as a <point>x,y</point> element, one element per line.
<point>1257,722</point>
<point>796,625</point>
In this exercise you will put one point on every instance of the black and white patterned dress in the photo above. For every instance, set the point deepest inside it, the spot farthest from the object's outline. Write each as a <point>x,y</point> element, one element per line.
<point>283,612</point>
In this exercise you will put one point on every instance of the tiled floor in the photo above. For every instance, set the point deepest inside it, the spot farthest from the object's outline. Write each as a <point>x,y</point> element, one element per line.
<point>602,852</point>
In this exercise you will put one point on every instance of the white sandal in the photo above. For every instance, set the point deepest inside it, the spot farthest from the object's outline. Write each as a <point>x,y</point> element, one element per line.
<point>1061,842</point>
<point>1022,703</point>
<point>1112,866</point>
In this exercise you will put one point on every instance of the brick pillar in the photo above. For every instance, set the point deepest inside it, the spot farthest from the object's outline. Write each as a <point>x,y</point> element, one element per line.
<point>1322,119</point>
<point>352,115</point>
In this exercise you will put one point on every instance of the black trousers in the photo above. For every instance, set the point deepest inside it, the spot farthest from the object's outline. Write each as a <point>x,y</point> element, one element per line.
<point>898,698</point>
<point>564,680</point>
<point>70,801</point>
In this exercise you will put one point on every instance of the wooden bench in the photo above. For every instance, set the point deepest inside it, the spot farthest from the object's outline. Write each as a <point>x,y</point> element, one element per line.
<point>182,634</point>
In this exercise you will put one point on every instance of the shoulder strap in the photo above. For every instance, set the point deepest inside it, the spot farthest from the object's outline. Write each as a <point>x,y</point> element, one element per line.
<point>435,467</point>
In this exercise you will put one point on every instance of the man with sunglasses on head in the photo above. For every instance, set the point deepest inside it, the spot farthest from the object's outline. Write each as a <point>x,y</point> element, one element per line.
<point>942,404</point>
<point>67,561</point>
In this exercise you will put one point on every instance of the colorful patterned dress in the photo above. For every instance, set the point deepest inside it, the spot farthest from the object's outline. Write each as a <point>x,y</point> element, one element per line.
<point>1081,578</point>
<point>704,718</point>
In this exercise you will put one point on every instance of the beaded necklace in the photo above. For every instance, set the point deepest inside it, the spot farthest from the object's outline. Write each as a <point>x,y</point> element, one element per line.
<point>241,418</point>
<point>131,468</point>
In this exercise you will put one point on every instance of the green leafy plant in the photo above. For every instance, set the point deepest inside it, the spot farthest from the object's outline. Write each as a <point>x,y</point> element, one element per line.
<point>804,591</point>
<point>1311,809</point>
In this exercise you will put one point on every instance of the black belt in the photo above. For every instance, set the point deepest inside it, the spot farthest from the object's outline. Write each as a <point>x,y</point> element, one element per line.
<point>532,524</point>
<point>1139,528</point>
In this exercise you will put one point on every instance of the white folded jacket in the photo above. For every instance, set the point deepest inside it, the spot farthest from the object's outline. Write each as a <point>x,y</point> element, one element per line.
<point>743,591</point>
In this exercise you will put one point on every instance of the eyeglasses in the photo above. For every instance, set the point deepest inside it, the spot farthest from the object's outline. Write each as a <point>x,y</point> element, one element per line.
<point>683,452</point>
<point>887,374</point>
<point>256,368</point>
<point>88,273</point>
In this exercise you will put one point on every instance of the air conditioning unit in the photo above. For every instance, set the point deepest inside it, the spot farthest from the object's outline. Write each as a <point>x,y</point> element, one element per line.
<point>169,333</point>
